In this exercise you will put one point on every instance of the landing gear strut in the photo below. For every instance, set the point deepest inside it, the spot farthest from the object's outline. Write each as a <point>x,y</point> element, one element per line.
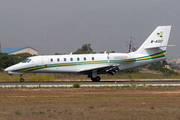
<point>21,79</point>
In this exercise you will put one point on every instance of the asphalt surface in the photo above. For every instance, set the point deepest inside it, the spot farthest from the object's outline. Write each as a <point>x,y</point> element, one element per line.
<point>90,83</point>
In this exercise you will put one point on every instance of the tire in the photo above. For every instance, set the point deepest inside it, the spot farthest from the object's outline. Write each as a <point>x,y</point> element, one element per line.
<point>98,79</point>
<point>21,80</point>
<point>93,79</point>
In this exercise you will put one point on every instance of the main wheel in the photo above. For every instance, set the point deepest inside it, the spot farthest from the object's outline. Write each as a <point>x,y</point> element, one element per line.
<point>96,79</point>
<point>21,80</point>
<point>93,79</point>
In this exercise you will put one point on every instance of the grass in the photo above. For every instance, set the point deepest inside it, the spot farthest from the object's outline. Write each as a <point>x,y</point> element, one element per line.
<point>151,107</point>
<point>17,112</point>
<point>91,106</point>
<point>41,112</point>
<point>76,85</point>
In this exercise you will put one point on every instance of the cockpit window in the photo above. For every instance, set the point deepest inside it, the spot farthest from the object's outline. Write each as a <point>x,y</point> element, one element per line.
<point>26,61</point>
<point>29,61</point>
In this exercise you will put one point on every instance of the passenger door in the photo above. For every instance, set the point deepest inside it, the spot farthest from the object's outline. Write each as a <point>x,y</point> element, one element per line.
<point>108,57</point>
<point>45,63</point>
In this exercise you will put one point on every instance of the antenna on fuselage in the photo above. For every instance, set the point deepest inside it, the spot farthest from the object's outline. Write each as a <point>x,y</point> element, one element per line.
<point>71,53</point>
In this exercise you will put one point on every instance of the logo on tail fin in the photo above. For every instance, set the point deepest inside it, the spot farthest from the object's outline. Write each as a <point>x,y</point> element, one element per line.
<point>160,34</point>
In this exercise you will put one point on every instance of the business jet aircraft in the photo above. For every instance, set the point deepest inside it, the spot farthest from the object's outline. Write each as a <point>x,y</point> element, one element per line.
<point>152,50</point>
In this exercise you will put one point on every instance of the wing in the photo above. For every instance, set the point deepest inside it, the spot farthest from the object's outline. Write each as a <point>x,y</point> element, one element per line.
<point>112,69</point>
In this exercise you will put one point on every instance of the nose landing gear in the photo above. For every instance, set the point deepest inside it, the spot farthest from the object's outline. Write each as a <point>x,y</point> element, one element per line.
<point>21,79</point>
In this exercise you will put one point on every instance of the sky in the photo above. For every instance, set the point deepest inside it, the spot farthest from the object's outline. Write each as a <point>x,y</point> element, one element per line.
<point>105,24</point>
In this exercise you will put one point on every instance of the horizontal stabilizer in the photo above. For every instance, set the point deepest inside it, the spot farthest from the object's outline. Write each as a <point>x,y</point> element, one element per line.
<point>149,47</point>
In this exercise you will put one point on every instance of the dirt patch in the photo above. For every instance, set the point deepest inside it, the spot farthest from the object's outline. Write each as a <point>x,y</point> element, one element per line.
<point>90,103</point>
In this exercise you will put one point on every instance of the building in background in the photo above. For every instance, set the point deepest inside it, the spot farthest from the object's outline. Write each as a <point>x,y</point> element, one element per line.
<point>17,50</point>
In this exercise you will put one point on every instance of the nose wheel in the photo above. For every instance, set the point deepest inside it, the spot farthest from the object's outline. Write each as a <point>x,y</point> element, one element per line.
<point>21,79</point>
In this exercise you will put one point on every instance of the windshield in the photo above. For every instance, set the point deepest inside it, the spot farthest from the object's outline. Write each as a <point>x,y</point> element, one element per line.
<point>29,61</point>
<point>26,61</point>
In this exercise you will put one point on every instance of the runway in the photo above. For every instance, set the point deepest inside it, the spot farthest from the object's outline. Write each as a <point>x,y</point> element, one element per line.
<point>91,84</point>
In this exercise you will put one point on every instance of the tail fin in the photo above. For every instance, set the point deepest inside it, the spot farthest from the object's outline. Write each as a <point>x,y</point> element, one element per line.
<point>156,42</point>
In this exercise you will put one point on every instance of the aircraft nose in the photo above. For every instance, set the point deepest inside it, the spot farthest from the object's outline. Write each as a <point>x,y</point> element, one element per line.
<point>7,69</point>
<point>11,68</point>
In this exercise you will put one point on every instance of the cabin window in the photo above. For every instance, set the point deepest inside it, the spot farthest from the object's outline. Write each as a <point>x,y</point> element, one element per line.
<point>64,59</point>
<point>51,60</point>
<point>84,58</point>
<point>58,59</point>
<point>78,59</point>
<point>71,59</point>
<point>92,58</point>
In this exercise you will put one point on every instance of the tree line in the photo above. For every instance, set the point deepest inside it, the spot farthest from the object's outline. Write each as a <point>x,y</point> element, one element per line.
<point>160,66</point>
<point>7,60</point>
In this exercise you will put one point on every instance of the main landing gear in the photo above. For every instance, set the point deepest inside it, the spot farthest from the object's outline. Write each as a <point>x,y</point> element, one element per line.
<point>21,79</point>
<point>94,76</point>
<point>96,79</point>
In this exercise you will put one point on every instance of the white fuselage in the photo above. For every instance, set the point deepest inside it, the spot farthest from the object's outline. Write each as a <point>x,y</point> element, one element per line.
<point>80,62</point>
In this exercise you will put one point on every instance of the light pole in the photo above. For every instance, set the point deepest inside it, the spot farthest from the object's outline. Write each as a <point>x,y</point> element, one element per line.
<point>47,43</point>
